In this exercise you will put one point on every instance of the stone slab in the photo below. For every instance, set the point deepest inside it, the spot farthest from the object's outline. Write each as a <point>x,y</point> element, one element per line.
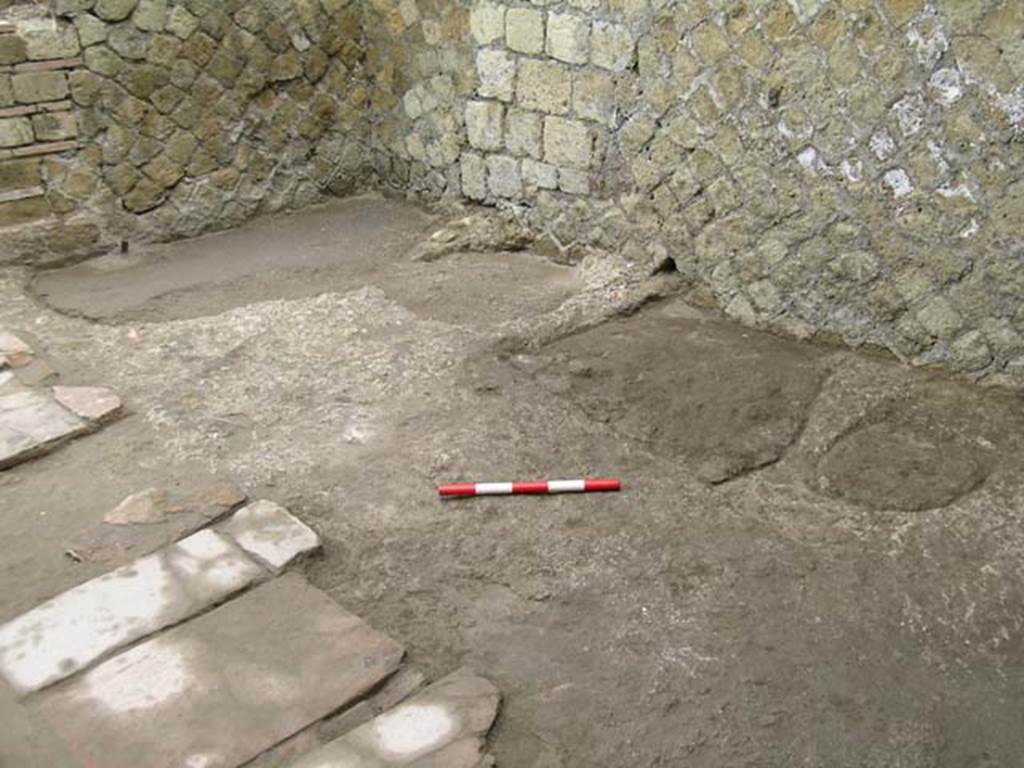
<point>225,687</point>
<point>74,629</point>
<point>270,533</point>
<point>25,742</point>
<point>31,423</point>
<point>94,404</point>
<point>16,351</point>
<point>444,725</point>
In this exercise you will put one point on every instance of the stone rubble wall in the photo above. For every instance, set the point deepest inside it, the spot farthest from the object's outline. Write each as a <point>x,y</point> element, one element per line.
<point>846,169</point>
<point>157,119</point>
<point>851,170</point>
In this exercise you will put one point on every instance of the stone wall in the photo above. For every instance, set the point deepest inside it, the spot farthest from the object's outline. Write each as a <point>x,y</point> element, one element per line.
<point>163,118</point>
<point>845,169</point>
<point>850,169</point>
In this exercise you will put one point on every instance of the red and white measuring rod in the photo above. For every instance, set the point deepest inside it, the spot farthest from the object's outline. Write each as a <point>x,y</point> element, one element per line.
<point>541,487</point>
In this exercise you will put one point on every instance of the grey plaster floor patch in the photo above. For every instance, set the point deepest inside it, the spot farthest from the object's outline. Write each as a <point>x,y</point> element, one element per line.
<point>270,533</point>
<point>445,726</point>
<point>31,423</point>
<point>224,687</point>
<point>75,628</point>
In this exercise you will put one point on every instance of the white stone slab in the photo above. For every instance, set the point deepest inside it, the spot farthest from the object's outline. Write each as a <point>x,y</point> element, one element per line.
<point>221,689</point>
<point>445,725</point>
<point>67,633</point>
<point>30,423</point>
<point>270,533</point>
<point>95,404</point>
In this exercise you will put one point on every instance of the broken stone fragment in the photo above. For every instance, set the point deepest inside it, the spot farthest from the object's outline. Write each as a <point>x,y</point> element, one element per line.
<point>13,351</point>
<point>156,505</point>
<point>445,726</point>
<point>94,404</point>
<point>271,534</point>
<point>31,423</point>
<point>144,507</point>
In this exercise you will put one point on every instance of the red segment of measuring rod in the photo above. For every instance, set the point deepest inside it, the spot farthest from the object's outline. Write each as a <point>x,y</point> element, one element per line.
<point>537,487</point>
<point>603,485</point>
<point>458,489</point>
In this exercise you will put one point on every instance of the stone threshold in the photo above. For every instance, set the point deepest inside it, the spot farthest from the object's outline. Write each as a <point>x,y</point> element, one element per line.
<point>46,148</point>
<point>10,195</point>
<point>43,66</point>
<point>32,109</point>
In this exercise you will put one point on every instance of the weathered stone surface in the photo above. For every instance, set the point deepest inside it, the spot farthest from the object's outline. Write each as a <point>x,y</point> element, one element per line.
<point>612,46</point>
<point>31,423</point>
<point>26,742</point>
<point>496,70</point>
<point>503,176</point>
<point>158,514</point>
<point>567,142</point>
<point>67,633</point>
<point>14,349</point>
<point>487,22</point>
<point>445,725</point>
<point>13,49</point>
<point>568,38</point>
<point>224,687</point>
<point>524,30</point>
<point>114,10</point>
<point>149,506</point>
<point>544,86</point>
<point>485,124</point>
<point>94,404</point>
<point>46,38</point>
<point>271,534</point>
<point>34,87</point>
<point>474,176</point>
<point>15,131</point>
<point>54,126</point>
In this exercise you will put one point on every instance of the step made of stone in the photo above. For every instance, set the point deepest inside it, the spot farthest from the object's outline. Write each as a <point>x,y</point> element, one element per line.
<point>444,727</point>
<point>224,687</point>
<point>67,633</point>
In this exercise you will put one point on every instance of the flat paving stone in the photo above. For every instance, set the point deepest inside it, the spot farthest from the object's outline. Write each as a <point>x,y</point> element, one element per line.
<point>31,423</point>
<point>13,350</point>
<point>94,404</point>
<point>224,687</point>
<point>74,629</point>
<point>25,741</point>
<point>443,726</point>
<point>270,533</point>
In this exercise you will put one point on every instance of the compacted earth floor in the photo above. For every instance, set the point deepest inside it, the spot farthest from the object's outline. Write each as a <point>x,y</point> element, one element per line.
<point>817,558</point>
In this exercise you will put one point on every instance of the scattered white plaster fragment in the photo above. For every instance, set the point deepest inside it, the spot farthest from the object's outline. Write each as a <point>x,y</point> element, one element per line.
<point>947,86</point>
<point>928,39</point>
<point>970,230</point>
<point>959,191</point>
<point>909,113</point>
<point>899,182</point>
<point>808,158</point>
<point>852,170</point>
<point>882,144</point>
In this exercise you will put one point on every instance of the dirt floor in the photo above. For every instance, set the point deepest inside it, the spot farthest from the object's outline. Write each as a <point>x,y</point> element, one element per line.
<point>817,559</point>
